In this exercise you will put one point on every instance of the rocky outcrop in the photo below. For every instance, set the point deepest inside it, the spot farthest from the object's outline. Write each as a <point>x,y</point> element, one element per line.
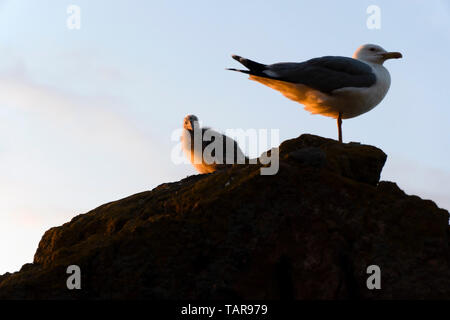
<point>308,232</point>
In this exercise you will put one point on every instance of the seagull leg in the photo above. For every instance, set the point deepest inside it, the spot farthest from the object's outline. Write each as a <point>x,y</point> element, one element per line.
<point>339,124</point>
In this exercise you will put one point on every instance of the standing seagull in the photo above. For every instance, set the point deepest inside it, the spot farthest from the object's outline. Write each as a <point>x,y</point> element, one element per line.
<point>207,149</point>
<point>333,86</point>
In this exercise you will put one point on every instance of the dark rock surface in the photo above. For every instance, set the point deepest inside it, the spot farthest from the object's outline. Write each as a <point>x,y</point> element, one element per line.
<point>309,232</point>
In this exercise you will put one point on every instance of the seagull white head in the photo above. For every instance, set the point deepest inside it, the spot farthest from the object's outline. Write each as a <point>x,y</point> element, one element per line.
<point>190,122</point>
<point>374,54</point>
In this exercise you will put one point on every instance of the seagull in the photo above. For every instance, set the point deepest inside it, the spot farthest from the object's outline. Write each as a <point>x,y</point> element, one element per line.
<point>203,155</point>
<point>333,86</point>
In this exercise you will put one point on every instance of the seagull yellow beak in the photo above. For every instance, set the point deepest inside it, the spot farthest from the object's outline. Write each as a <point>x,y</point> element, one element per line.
<point>392,55</point>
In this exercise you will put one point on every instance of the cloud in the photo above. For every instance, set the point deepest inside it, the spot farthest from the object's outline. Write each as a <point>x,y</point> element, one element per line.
<point>82,63</point>
<point>62,154</point>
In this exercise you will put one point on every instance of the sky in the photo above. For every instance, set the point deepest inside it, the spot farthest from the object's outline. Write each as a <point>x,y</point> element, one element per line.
<point>87,115</point>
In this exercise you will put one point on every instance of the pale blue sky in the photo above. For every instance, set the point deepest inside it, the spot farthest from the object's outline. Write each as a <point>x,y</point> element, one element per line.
<point>87,115</point>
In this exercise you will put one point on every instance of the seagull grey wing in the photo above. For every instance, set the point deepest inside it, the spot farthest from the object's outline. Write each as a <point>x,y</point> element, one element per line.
<point>324,74</point>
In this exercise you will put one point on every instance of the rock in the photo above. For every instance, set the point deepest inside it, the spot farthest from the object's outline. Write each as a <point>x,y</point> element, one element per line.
<point>308,232</point>
<point>311,156</point>
<point>355,161</point>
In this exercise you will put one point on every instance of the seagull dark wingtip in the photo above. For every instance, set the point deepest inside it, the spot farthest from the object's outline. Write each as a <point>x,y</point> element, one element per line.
<point>236,57</point>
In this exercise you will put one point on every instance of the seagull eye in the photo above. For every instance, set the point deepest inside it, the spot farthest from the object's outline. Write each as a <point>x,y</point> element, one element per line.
<point>372,49</point>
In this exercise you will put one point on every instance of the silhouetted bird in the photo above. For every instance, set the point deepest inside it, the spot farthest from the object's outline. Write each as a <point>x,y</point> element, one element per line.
<point>333,86</point>
<point>208,150</point>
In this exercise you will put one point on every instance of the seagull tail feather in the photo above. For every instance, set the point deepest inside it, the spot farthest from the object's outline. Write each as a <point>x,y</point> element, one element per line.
<point>238,70</point>
<point>253,66</point>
